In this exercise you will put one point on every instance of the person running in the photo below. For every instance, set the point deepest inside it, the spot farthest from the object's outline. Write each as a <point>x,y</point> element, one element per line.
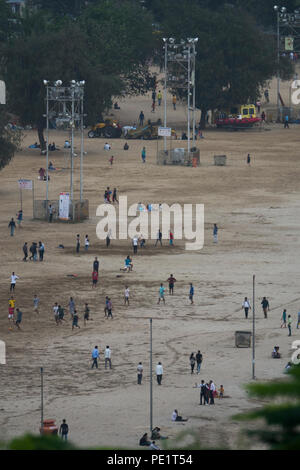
<point>199,359</point>
<point>246,307</point>
<point>96,264</point>
<point>25,251</point>
<point>171,280</point>
<point>64,430</point>
<point>75,320</point>
<point>265,306</point>
<point>95,357</point>
<point>159,237</point>
<point>191,293</point>
<point>192,362</point>
<point>13,280</point>
<point>161,294</point>
<point>19,318</point>
<point>77,243</point>
<point>86,314</point>
<point>109,309</point>
<point>36,302</point>
<point>283,318</point>
<point>143,155</point>
<point>139,373</point>
<point>12,226</point>
<point>159,373</point>
<point>94,278</point>
<point>107,356</point>
<point>289,322</point>
<point>215,233</point>
<point>126,295</point>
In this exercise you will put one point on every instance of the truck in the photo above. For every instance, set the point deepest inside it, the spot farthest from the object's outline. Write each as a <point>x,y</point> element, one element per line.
<point>237,117</point>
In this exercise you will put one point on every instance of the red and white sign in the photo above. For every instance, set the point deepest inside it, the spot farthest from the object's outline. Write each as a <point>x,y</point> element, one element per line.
<point>25,184</point>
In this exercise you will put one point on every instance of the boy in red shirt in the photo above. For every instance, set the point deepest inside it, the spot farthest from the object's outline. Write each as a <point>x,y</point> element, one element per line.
<point>95,278</point>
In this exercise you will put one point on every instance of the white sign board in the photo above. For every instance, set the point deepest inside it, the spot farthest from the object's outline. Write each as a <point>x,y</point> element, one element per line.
<point>2,92</point>
<point>64,202</point>
<point>165,131</point>
<point>25,184</point>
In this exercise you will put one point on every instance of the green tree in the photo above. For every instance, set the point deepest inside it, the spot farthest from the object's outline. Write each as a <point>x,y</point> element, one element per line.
<point>281,430</point>
<point>9,139</point>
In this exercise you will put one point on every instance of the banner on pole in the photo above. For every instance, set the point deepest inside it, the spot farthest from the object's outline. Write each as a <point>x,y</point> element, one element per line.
<point>25,184</point>
<point>64,203</point>
<point>2,92</point>
<point>164,131</point>
<point>289,44</point>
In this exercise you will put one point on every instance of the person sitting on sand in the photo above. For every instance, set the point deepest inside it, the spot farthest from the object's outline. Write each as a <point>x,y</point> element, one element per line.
<point>128,264</point>
<point>67,144</point>
<point>51,167</point>
<point>144,440</point>
<point>126,146</point>
<point>176,417</point>
<point>276,354</point>
<point>116,106</point>
<point>156,434</point>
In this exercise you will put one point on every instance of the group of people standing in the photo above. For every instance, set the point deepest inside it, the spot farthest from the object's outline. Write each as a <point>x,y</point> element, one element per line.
<point>35,251</point>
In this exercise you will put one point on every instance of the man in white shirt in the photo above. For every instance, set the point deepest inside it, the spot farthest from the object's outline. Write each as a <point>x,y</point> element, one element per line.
<point>135,243</point>
<point>13,280</point>
<point>107,146</point>
<point>159,373</point>
<point>55,311</point>
<point>212,389</point>
<point>139,373</point>
<point>107,355</point>
<point>246,306</point>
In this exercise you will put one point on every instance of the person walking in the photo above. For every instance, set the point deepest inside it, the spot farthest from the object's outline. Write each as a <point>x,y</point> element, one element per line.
<point>192,362</point>
<point>50,212</point>
<point>139,373</point>
<point>77,243</point>
<point>290,325</point>
<point>135,242</point>
<point>283,318</point>
<point>159,373</point>
<point>246,307</point>
<point>20,217</point>
<point>109,308</point>
<point>298,320</point>
<point>191,293</point>
<point>159,237</point>
<point>143,154</point>
<point>12,226</point>
<point>41,251</point>
<point>203,393</point>
<point>86,243</point>
<point>36,302</point>
<point>161,294</point>
<point>95,357</point>
<point>159,97</point>
<point>171,238</point>
<point>171,280</point>
<point>286,122</point>
<point>265,306</point>
<point>174,101</point>
<point>25,251</point>
<point>215,233</point>
<point>199,359</point>
<point>96,264</point>
<point>86,315</point>
<point>64,430</point>
<point>13,280</point>
<point>141,118</point>
<point>107,356</point>
<point>19,318</point>
<point>75,320</point>
<point>126,295</point>
<point>94,278</point>
<point>248,159</point>
<point>212,389</point>
<point>114,196</point>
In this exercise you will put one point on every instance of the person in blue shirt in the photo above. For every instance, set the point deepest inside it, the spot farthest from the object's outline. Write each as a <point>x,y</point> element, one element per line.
<point>161,294</point>
<point>286,122</point>
<point>143,154</point>
<point>191,296</point>
<point>95,356</point>
<point>215,233</point>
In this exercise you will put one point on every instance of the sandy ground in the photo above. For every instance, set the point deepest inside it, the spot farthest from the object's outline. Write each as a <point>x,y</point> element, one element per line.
<point>257,210</point>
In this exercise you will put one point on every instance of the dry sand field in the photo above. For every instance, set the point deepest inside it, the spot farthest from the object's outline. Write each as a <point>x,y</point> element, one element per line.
<point>257,210</point>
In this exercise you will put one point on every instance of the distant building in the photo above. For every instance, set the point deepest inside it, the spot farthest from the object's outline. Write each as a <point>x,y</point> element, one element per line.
<point>16,5</point>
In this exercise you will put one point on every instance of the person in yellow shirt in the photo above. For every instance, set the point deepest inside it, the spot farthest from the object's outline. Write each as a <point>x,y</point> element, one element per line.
<point>221,391</point>
<point>174,100</point>
<point>159,97</point>
<point>11,309</point>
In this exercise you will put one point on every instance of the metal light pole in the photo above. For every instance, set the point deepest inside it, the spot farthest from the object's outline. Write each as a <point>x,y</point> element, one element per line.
<point>81,152</point>
<point>253,331</point>
<point>72,144</point>
<point>165,91</point>
<point>42,400</point>
<point>189,92</point>
<point>278,70</point>
<point>151,380</point>
<point>194,91</point>
<point>47,144</point>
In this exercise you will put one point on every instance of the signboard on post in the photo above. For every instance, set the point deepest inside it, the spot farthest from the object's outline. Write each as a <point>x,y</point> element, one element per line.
<point>64,204</point>
<point>25,184</point>
<point>289,43</point>
<point>165,131</point>
<point>2,92</point>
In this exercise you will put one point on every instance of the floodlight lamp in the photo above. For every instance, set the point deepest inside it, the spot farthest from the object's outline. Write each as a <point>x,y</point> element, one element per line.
<point>164,39</point>
<point>171,40</point>
<point>196,39</point>
<point>58,83</point>
<point>82,83</point>
<point>276,7</point>
<point>73,82</point>
<point>45,82</point>
<point>283,9</point>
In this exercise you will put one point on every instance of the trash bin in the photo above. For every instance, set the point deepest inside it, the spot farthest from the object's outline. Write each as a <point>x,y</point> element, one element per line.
<point>243,339</point>
<point>220,160</point>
